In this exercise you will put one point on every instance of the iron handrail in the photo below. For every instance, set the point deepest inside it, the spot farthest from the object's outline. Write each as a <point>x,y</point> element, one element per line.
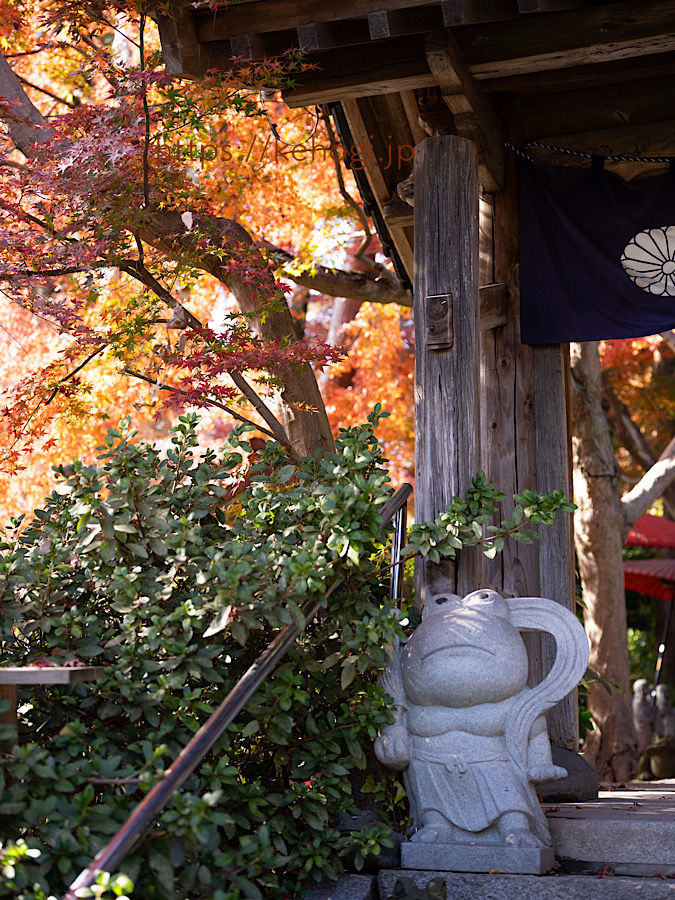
<point>108,858</point>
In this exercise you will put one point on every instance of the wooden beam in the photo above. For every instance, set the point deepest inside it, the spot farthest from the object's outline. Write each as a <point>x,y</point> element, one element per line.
<point>181,50</point>
<point>655,139</point>
<point>595,34</point>
<point>395,23</point>
<point>537,6</point>
<point>325,35</point>
<point>586,37</point>
<point>395,65</point>
<point>465,12</point>
<point>661,65</point>
<point>651,139</point>
<point>598,108</point>
<point>277,15</point>
<point>447,416</point>
<point>397,212</point>
<point>474,117</point>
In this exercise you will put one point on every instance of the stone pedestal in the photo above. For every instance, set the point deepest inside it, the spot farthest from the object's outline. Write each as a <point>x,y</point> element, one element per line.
<point>475,857</point>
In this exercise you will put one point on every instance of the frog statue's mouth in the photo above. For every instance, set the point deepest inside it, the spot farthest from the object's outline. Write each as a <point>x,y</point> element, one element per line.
<point>458,633</point>
<point>455,650</point>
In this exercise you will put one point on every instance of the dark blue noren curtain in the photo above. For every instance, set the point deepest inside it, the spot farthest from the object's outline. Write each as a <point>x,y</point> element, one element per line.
<point>597,254</point>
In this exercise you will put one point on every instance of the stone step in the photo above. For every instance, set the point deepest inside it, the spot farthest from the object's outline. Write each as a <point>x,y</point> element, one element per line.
<point>532,887</point>
<point>630,831</point>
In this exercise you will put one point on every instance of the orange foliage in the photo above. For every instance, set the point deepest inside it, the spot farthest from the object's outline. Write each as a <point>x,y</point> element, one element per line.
<point>641,373</point>
<point>379,369</point>
<point>281,187</point>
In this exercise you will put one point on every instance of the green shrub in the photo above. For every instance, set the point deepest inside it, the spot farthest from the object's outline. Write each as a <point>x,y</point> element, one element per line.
<point>154,568</point>
<point>143,565</point>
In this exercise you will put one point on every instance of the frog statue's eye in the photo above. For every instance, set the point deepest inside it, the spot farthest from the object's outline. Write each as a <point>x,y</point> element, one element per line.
<point>441,603</point>
<point>488,601</point>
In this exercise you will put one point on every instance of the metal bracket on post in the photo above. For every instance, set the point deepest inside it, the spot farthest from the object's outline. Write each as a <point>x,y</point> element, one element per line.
<point>438,321</point>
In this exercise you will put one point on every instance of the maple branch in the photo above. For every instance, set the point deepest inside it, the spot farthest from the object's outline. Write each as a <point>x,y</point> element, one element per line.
<point>669,338</point>
<point>48,273</point>
<point>137,270</point>
<point>650,487</point>
<point>633,440</point>
<point>210,246</point>
<point>364,286</point>
<point>146,115</point>
<point>25,53</point>
<point>27,126</point>
<point>266,413</point>
<point>46,400</point>
<point>45,92</point>
<point>168,387</point>
<point>72,374</point>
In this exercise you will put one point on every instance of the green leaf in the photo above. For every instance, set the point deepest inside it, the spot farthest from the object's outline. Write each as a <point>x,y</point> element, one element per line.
<point>297,614</point>
<point>252,727</point>
<point>137,550</point>
<point>160,865</point>
<point>348,672</point>
<point>220,622</point>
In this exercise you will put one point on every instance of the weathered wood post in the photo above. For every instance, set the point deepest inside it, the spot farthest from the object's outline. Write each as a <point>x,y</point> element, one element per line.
<point>446,312</point>
<point>526,444</point>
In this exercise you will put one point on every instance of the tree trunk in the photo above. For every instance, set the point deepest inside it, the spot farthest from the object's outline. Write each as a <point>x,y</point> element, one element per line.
<point>600,526</point>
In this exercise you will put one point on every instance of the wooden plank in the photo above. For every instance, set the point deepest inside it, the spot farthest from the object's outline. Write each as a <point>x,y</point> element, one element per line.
<point>595,34</point>
<point>385,67</point>
<point>598,108</point>
<point>49,674</point>
<point>276,15</point>
<point>474,117</point>
<point>653,139</point>
<point>379,128</point>
<point>556,556</point>
<point>447,433</point>
<point>412,113</point>
<point>493,308</point>
<point>486,242</point>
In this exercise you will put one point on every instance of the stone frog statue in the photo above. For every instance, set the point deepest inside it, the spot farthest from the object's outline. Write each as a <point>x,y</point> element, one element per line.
<point>470,736</point>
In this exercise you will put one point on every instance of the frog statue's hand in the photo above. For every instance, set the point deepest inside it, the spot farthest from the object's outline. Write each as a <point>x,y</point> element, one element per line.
<point>543,772</point>
<point>392,747</point>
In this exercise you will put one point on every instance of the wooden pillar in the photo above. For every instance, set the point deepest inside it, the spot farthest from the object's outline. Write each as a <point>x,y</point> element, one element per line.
<point>526,439</point>
<point>556,549</point>
<point>446,312</point>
